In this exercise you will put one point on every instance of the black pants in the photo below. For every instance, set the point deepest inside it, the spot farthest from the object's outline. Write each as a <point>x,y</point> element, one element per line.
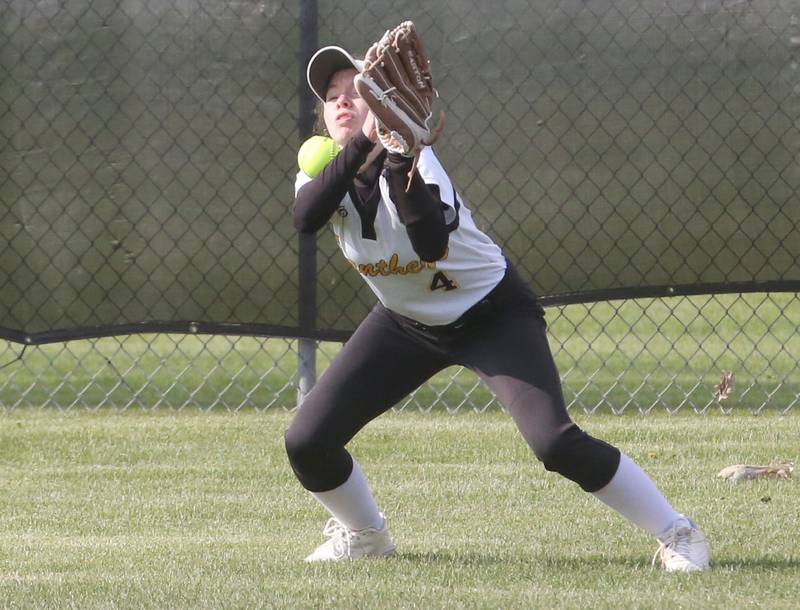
<point>502,339</point>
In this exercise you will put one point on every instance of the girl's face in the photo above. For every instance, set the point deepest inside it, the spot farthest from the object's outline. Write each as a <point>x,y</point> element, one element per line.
<point>344,111</point>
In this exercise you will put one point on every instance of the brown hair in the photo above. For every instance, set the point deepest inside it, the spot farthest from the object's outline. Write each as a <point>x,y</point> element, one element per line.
<point>319,121</point>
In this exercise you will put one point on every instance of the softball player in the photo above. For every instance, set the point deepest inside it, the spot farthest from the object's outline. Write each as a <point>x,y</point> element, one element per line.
<point>446,296</point>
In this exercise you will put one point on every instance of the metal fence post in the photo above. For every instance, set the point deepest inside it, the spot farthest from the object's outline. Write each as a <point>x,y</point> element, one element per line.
<point>306,367</point>
<point>307,269</point>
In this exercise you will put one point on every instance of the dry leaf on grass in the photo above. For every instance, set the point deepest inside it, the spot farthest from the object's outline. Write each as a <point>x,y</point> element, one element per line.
<point>748,472</point>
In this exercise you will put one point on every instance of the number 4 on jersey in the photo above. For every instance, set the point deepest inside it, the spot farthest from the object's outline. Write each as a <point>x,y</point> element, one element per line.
<point>440,280</point>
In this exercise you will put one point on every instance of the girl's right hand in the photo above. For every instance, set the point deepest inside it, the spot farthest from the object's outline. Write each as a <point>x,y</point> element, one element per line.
<point>369,128</point>
<point>371,131</point>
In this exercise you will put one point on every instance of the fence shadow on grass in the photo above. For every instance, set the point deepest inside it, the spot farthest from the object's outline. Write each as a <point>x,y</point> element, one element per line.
<point>773,564</point>
<point>478,558</point>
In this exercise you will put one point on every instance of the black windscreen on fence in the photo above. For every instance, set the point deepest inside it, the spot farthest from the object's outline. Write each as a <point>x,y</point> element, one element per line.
<point>615,148</point>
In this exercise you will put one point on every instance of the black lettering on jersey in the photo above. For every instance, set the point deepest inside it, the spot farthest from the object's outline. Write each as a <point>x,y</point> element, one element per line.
<point>440,280</point>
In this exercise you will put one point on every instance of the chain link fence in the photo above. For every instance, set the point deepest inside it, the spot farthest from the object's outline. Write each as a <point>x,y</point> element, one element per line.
<point>636,159</point>
<point>628,356</point>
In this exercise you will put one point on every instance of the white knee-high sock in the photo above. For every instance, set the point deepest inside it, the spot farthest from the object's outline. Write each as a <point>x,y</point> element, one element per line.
<point>634,495</point>
<point>352,503</point>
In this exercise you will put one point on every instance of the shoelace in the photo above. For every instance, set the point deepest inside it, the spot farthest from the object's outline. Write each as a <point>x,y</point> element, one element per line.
<point>677,544</point>
<point>340,537</point>
<point>659,553</point>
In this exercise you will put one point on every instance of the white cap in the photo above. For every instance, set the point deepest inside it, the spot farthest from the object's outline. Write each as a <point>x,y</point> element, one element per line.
<point>324,64</point>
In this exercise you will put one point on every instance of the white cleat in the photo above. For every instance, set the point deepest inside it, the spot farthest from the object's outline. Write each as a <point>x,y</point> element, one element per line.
<point>683,548</point>
<point>344,544</point>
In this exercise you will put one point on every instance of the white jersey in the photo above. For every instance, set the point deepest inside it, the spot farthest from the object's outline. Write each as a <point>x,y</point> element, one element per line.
<point>431,293</point>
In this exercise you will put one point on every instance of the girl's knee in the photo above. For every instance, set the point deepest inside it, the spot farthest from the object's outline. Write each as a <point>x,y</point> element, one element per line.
<point>579,457</point>
<point>558,449</point>
<point>303,449</point>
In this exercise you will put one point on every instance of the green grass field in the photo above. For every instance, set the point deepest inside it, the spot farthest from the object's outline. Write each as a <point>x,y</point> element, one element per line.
<point>200,510</point>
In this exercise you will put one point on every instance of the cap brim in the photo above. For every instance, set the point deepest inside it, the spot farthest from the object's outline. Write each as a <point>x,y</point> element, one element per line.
<point>324,64</point>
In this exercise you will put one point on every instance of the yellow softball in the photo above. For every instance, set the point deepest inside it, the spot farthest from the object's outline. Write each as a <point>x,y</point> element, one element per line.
<point>315,154</point>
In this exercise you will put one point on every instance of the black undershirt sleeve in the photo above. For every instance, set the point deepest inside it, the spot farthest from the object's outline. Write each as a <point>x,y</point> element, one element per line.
<point>420,209</point>
<point>317,200</point>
